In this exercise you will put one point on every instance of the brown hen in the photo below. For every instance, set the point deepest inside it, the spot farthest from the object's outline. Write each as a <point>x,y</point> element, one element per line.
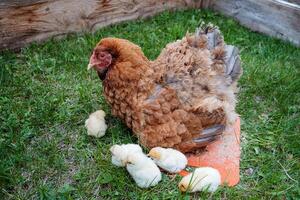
<point>184,99</point>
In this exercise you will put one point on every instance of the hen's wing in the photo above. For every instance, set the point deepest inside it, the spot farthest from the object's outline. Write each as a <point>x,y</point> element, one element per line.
<point>201,68</point>
<point>197,72</point>
<point>165,123</point>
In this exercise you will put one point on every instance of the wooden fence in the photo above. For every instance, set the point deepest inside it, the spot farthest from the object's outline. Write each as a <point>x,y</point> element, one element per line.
<point>25,21</point>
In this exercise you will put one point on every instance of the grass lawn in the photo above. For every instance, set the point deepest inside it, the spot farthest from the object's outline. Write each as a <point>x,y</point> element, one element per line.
<point>46,94</point>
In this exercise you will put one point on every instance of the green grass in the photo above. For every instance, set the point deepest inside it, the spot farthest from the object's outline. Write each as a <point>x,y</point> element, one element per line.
<point>46,94</point>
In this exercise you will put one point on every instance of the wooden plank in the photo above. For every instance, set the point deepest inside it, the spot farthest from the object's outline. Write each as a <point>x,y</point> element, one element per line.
<point>15,3</point>
<point>25,21</point>
<point>277,18</point>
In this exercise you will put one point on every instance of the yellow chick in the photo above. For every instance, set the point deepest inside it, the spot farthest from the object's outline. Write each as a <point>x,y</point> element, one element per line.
<point>143,170</point>
<point>202,179</point>
<point>95,124</point>
<point>168,159</point>
<point>121,152</point>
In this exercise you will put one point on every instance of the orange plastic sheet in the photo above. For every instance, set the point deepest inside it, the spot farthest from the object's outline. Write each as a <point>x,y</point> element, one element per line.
<point>223,155</point>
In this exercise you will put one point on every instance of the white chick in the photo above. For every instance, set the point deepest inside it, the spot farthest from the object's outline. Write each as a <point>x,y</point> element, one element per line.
<point>143,170</point>
<point>202,179</point>
<point>168,159</point>
<point>121,152</point>
<point>95,124</point>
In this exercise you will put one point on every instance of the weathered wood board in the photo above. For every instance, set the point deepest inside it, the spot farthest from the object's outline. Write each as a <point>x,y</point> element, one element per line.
<point>277,18</point>
<point>25,21</point>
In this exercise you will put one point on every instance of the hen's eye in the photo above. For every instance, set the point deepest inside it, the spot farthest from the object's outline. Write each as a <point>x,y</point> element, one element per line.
<point>102,55</point>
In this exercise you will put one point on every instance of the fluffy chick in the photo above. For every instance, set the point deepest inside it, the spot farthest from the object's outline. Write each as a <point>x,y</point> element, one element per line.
<point>202,179</point>
<point>95,124</point>
<point>168,159</point>
<point>143,170</point>
<point>121,152</point>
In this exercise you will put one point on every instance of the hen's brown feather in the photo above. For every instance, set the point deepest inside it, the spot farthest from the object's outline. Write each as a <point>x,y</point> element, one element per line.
<point>169,101</point>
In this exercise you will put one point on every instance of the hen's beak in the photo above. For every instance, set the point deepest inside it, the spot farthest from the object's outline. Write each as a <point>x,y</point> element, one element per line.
<point>90,66</point>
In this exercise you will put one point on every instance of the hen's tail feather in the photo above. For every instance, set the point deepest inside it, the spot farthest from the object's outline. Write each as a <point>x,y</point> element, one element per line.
<point>213,34</point>
<point>232,59</point>
<point>210,133</point>
<point>214,39</point>
<point>206,136</point>
<point>232,62</point>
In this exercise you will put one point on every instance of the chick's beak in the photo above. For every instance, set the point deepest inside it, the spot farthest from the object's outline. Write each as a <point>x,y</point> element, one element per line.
<point>112,148</point>
<point>154,154</point>
<point>182,187</point>
<point>124,162</point>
